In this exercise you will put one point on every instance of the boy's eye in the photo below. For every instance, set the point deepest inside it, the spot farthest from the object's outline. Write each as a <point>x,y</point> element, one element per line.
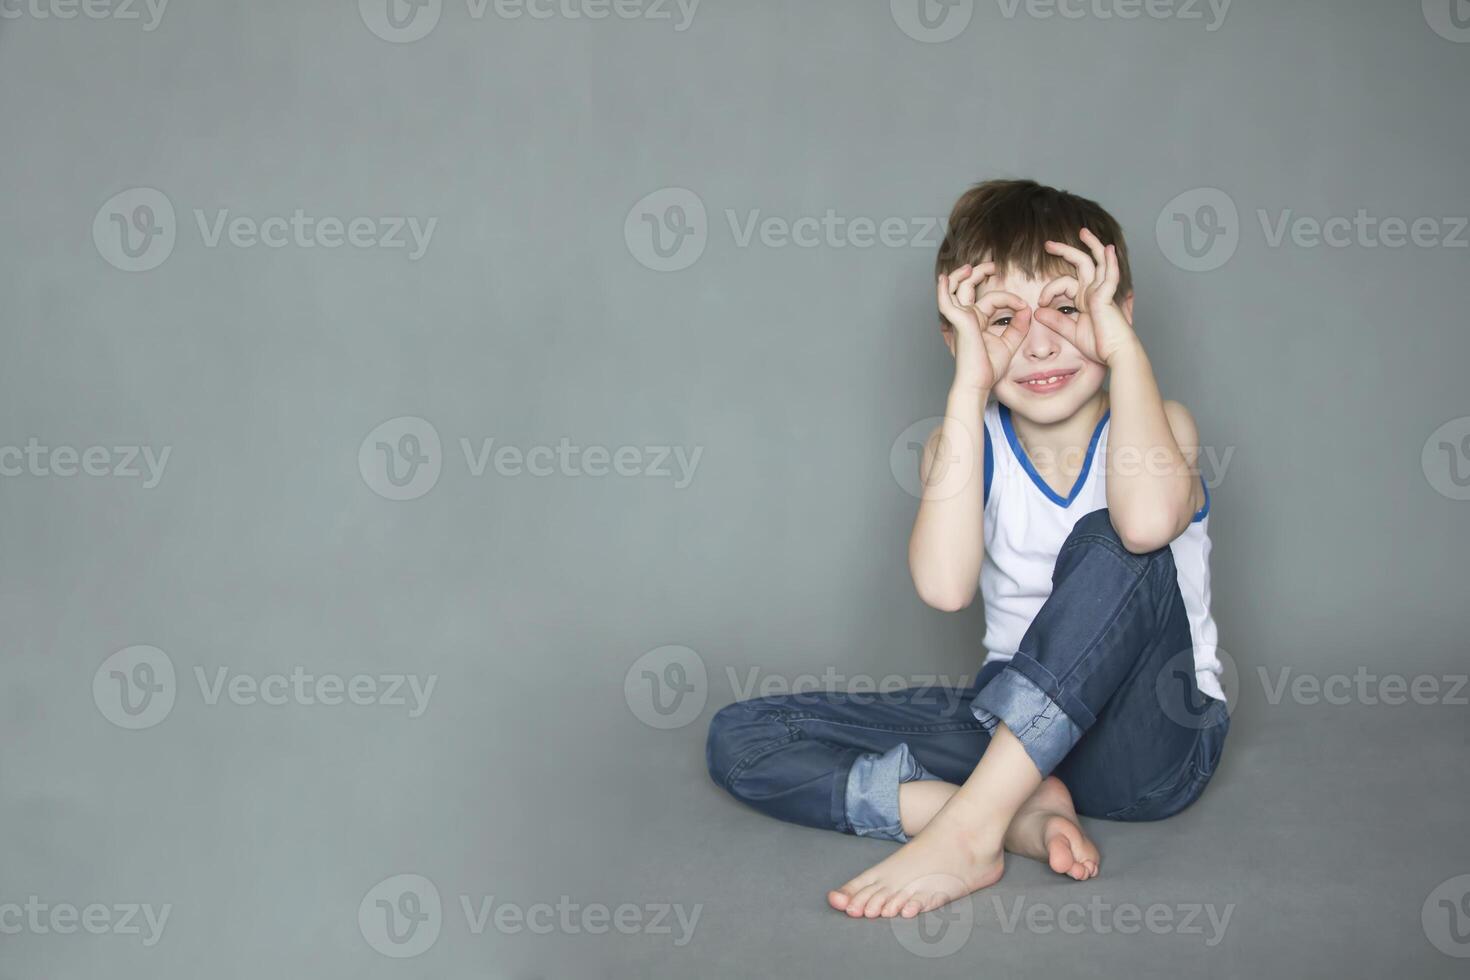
<point>1067,309</point>
<point>1001,321</point>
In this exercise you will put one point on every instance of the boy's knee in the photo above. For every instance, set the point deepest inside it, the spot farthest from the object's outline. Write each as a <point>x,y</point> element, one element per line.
<point>1097,528</point>
<point>735,732</point>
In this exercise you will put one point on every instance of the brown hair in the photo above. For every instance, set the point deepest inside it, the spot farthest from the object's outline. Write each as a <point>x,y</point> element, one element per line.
<point>1009,223</point>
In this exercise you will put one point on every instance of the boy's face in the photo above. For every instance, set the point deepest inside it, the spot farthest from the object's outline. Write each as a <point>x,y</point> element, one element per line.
<point>1027,388</point>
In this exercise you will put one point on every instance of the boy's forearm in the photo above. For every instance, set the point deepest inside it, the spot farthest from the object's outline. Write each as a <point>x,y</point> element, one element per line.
<point>1150,485</point>
<point>947,544</point>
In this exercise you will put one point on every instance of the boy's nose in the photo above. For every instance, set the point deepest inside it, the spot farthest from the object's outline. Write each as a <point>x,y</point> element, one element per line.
<point>1041,343</point>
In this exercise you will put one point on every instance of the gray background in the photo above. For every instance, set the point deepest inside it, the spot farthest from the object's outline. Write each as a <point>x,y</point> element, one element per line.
<point>530,320</point>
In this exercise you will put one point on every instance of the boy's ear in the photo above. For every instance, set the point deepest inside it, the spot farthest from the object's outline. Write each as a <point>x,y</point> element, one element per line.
<point>947,332</point>
<point>1127,307</point>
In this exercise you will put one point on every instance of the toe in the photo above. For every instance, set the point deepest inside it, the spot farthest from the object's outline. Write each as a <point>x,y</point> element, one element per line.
<point>896,903</point>
<point>859,903</point>
<point>1059,854</point>
<point>912,907</point>
<point>876,901</point>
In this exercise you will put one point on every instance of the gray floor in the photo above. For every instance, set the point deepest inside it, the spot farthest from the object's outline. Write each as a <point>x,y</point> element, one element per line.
<point>1325,838</point>
<point>1323,835</point>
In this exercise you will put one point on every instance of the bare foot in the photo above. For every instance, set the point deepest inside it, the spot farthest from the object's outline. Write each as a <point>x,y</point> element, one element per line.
<point>955,855</point>
<point>1046,828</point>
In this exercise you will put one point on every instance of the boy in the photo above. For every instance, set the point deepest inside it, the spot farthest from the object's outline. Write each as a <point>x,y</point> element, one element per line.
<point>1078,512</point>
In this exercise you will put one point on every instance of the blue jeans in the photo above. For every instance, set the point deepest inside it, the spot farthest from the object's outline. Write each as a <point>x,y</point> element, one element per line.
<point>1101,693</point>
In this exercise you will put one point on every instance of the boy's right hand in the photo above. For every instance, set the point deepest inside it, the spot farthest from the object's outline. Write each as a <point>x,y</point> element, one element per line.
<point>988,328</point>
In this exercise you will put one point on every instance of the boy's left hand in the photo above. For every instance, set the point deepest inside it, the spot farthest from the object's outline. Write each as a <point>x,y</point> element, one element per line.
<point>1098,329</point>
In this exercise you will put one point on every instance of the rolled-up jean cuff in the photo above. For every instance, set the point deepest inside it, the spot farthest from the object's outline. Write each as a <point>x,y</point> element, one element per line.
<point>872,791</point>
<point>1043,728</point>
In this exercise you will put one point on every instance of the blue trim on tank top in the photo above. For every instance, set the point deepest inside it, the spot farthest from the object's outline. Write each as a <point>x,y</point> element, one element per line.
<point>1205,510</point>
<point>989,462</point>
<point>1020,453</point>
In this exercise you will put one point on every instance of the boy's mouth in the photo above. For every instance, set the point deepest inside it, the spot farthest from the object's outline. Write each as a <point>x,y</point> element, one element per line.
<point>1045,382</point>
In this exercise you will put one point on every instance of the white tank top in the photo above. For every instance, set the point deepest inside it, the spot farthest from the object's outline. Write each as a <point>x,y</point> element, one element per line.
<point>1026,522</point>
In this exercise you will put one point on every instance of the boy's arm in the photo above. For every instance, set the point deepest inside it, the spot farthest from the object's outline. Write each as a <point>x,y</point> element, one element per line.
<point>948,542</point>
<point>947,545</point>
<point>1153,490</point>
